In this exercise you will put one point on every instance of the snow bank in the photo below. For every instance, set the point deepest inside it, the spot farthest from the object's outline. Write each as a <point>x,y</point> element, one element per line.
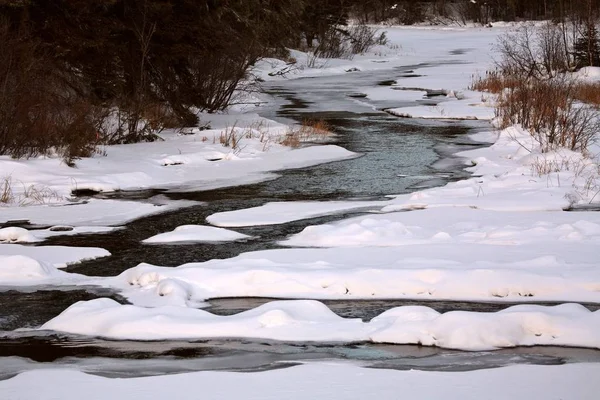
<point>432,226</point>
<point>58,256</point>
<point>471,271</point>
<point>462,110</point>
<point>327,381</point>
<point>513,175</point>
<point>196,233</point>
<point>308,320</point>
<point>92,212</point>
<point>283,212</point>
<point>588,74</point>
<point>195,159</point>
<point>21,270</point>
<point>22,235</point>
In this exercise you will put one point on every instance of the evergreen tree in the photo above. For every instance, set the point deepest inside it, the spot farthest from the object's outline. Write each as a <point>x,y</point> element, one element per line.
<point>587,48</point>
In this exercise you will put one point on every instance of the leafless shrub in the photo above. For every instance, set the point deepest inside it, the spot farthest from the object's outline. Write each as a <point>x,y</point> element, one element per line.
<point>334,44</point>
<point>339,42</point>
<point>123,126</point>
<point>534,52</point>
<point>550,111</point>
<point>543,166</point>
<point>363,38</point>
<point>493,82</point>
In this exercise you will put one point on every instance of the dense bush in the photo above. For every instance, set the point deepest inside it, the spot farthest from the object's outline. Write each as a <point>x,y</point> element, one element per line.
<point>76,73</point>
<point>42,107</point>
<point>535,90</point>
<point>550,111</point>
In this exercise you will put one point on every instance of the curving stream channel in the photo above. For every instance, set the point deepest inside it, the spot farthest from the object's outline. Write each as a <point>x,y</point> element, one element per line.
<point>397,156</point>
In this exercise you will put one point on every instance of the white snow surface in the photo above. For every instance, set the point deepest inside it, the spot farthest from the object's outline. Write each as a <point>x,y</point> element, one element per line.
<point>21,235</point>
<point>469,108</point>
<point>310,320</point>
<point>282,212</point>
<point>469,271</point>
<point>92,212</point>
<point>16,235</point>
<point>21,270</point>
<point>196,233</point>
<point>58,256</point>
<point>590,74</point>
<point>326,381</point>
<point>428,227</point>
<point>194,161</point>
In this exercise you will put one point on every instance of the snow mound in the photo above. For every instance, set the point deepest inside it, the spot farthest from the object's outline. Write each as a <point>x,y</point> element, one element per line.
<point>358,232</point>
<point>196,233</point>
<point>17,235</point>
<point>522,325</point>
<point>57,256</point>
<point>440,269</point>
<point>423,228</point>
<point>309,320</point>
<point>588,73</point>
<point>304,320</point>
<point>14,269</point>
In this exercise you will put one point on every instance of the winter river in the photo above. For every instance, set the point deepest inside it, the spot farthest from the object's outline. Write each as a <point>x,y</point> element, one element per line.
<point>397,155</point>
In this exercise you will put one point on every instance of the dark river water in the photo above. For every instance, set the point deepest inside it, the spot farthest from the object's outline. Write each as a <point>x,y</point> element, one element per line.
<point>396,156</point>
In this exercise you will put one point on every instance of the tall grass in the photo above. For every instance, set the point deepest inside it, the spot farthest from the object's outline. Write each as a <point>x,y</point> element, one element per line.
<point>29,195</point>
<point>308,131</point>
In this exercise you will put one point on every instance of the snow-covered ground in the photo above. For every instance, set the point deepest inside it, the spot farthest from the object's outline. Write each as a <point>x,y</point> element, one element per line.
<point>282,212</point>
<point>196,233</point>
<point>318,381</point>
<point>196,161</point>
<point>92,212</point>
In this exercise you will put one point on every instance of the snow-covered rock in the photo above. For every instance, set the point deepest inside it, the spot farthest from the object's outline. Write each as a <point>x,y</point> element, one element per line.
<point>17,235</point>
